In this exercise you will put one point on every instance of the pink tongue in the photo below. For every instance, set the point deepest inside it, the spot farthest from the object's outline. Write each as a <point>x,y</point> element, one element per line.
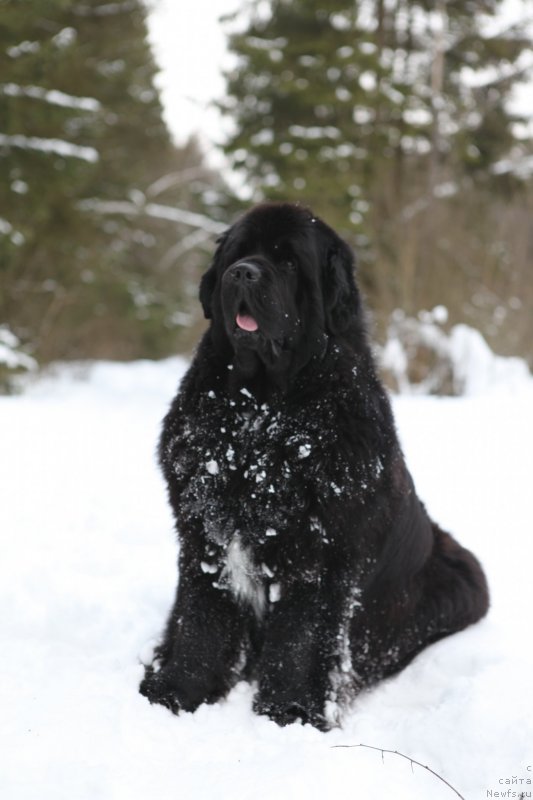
<point>246,323</point>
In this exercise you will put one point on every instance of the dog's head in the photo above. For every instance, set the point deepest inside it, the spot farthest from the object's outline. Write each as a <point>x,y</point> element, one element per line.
<point>280,282</point>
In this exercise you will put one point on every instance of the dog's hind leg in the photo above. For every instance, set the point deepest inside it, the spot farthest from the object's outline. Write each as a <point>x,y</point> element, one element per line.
<point>455,587</point>
<point>448,594</point>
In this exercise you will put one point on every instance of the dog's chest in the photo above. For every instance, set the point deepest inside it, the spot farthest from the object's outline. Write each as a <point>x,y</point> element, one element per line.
<point>241,465</point>
<point>250,580</point>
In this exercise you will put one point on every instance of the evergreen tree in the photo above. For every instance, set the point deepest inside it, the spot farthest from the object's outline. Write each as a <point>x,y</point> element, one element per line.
<point>84,237</point>
<point>310,101</point>
<point>333,101</point>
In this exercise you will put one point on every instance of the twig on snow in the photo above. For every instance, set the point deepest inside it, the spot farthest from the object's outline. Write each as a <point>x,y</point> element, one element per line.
<point>382,750</point>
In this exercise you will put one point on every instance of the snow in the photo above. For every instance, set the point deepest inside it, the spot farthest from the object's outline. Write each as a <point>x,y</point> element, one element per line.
<point>212,467</point>
<point>155,210</point>
<point>477,369</point>
<point>304,451</point>
<point>462,352</point>
<point>57,146</point>
<point>23,49</point>
<point>54,97</point>
<point>88,575</point>
<point>11,355</point>
<point>6,229</point>
<point>314,132</point>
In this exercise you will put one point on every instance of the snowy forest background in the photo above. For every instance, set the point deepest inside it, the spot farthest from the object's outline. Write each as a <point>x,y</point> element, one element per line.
<point>395,120</point>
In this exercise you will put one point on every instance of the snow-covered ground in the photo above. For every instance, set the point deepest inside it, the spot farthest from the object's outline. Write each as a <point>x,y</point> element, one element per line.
<point>87,577</point>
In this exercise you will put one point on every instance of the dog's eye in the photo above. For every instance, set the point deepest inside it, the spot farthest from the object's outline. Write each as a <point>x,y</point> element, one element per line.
<point>290,263</point>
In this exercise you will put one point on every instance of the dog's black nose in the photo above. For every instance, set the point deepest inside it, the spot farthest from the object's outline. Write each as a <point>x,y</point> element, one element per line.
<point>245,272</point>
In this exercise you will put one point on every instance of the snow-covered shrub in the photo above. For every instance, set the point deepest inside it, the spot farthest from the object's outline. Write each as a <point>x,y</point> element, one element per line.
<point>13,360</point>
<point>421,357</point>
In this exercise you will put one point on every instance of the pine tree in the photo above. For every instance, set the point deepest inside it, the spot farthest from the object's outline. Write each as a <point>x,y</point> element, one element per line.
<point>332,102</point>
<point>84,237</point>
<point>310,99</point>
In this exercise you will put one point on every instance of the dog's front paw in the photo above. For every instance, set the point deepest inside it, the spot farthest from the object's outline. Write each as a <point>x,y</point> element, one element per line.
<point>158,689</point>
<point>289,712</point>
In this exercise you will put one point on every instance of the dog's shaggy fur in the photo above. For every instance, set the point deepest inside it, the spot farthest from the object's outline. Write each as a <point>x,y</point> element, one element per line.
<point>307,562</point>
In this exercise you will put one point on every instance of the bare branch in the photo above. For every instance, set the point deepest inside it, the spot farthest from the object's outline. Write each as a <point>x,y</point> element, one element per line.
<point>174,179</point>
<point>189,242</point>
<point>155,210</point>
<point>105,10</point>
<point>382,750</point>
<point>440,191</point>
<point>186,217</point>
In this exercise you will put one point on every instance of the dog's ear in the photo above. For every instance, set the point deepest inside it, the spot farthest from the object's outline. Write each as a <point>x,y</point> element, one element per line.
<point>209,278</point>
<point>207,287</point>
<point>342,303</point>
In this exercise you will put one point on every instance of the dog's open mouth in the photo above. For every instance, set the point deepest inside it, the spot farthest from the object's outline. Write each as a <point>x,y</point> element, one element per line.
<point>245,321</point>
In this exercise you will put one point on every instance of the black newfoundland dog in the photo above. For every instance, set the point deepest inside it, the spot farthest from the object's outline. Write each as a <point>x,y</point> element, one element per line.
<point>307,562</point>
